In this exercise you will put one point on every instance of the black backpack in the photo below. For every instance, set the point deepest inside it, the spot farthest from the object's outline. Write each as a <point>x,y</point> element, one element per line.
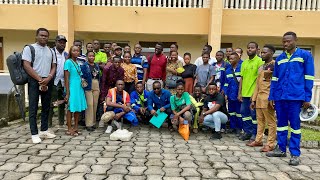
<point>15,66</point>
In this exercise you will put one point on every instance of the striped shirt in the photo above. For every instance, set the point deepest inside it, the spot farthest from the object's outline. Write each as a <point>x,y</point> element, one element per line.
<point>140,62</point>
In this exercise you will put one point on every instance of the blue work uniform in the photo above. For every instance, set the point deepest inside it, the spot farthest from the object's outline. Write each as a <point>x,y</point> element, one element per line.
<point>291,85</point>
<point>231,88</point>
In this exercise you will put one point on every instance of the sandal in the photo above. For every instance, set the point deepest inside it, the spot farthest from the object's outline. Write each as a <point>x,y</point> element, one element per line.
<point>78,132</point>
<point>69,133</point>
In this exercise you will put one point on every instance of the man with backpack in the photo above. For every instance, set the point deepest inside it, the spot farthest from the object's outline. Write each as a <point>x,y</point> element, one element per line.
<point>57,98</point>
<point>40,64</point>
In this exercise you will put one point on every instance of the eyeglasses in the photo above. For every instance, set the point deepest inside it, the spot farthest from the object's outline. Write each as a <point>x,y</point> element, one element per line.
<point>156,88</point>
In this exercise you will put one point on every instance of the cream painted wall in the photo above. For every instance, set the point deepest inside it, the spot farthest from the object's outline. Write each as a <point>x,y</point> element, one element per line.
<point>16,40</point>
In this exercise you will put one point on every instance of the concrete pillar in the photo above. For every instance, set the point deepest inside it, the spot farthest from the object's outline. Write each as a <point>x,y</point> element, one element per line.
<point>215,25</point>
<point>316,56</point>
<point>66,21</point>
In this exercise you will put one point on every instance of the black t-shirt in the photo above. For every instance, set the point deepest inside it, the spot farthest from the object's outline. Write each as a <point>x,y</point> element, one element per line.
<point>189,71</point>
<point>212,100</point>
<point>94,71</point>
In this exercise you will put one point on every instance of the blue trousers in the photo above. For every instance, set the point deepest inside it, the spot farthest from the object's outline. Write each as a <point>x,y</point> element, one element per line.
<point>235,115</point>
<point>288,111</point>
<point>248,117</point>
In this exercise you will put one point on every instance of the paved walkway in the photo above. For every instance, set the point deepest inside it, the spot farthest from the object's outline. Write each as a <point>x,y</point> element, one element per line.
<point>151,154</point>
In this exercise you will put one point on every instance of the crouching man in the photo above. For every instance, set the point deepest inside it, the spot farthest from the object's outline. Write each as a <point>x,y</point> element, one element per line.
<point>139,103</point>
<point>118,101</point>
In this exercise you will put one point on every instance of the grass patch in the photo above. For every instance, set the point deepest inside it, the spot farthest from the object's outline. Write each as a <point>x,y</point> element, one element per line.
<point>310,135</point>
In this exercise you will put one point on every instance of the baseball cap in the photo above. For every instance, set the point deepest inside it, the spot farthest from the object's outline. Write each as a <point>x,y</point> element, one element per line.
<point>61,37</point>
<point>118,47</point>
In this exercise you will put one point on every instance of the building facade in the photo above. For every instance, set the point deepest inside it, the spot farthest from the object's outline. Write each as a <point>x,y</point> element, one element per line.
<point>190,23</point>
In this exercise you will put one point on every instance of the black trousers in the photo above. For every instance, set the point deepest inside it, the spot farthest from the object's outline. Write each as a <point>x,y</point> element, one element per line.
<point>34,92</point>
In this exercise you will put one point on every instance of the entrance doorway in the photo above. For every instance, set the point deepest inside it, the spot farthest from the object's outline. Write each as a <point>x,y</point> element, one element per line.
<point>1,53</point>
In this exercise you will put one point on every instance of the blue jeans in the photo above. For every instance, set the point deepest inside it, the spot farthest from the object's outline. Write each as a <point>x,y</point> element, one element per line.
<point>215,120</point>
<point>248,117</point>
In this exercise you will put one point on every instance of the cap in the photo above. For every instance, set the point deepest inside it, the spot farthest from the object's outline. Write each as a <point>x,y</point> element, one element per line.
<point>61,37</point>
<point>118,47</point>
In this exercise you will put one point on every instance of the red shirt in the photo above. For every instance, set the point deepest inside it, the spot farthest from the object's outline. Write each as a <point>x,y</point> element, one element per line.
<point>157,67</point>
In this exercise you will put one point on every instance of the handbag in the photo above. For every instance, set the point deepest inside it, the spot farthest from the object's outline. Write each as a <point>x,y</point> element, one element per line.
<point>171,81</point>
<point>84,82</point>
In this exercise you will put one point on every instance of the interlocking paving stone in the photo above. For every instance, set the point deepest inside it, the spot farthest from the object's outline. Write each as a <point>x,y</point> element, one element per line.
<point>151,154</point>
<point>9,166</point>
<point>81,168</point>
<point>207,173</point>
<point>136,170</point>
<point>63,168</point>
<point>100,169</point>
<point>45,167</point>
<point>14,175</point>
<point>224,173</point>
<point>118,169</point>
<point>173,172</point>
<point>34,176</point>
<point>244,174</point>
<point>26,167</point>
<point>190,172</point>
<point>154,170</point>
<point>95,177</point>
<point>77,176</point>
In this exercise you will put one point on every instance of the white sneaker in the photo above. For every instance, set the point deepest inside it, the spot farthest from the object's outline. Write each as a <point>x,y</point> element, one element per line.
<point>36,139</point>
<point>101,124</point>
<point>118,124</point>
<point>109,130</point>
<point>46,135</point>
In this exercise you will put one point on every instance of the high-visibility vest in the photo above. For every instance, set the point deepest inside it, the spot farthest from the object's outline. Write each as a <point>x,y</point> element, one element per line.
<point>113,92</point>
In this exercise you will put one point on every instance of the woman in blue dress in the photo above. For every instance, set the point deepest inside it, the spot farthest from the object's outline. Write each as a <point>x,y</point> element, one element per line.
<point>75,96</point>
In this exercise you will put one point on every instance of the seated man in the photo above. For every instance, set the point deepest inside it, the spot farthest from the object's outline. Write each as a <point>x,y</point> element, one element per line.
<point>214,111</point>
<point>118,101</point>
<point>197,100</point>
<point>160,99</point>
<point>138,99</point>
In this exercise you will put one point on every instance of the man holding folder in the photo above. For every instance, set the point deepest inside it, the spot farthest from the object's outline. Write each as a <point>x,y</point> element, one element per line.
<point>159,99</point>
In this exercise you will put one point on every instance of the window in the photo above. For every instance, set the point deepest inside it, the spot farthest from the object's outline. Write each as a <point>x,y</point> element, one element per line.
<point>119,43</point>
<point>148,47</point>
<point>279,49</point>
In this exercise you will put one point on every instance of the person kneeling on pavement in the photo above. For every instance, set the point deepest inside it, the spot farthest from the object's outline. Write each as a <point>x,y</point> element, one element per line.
<point>214,111</point>
<point>118,101</point>
<point>138,99</point>
<point>180,106</point>
<point>160,99</point>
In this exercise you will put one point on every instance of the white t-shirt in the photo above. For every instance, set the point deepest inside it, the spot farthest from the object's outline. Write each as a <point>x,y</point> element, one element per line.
<point>181,60</point>
<point>60,64</point>
<point>43,59</point>
<point>199,61</point>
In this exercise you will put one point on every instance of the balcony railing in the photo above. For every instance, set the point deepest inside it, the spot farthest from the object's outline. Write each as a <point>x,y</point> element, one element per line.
<point>299,5</point>
<point>147,3</point>
<point>30,2</point>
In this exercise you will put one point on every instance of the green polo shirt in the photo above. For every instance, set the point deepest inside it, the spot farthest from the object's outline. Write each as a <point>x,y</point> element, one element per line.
<point>249,73</point>
<point>100,57</point>
<point>176,102</point>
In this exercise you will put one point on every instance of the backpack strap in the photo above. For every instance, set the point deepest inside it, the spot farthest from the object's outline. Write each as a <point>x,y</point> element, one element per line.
<point>33,53</point>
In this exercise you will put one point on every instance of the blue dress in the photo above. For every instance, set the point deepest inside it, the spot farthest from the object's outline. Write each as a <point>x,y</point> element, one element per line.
<point>77,99</point>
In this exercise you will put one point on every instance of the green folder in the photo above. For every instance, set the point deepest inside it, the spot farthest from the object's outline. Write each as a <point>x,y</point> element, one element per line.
<point>157,121</point>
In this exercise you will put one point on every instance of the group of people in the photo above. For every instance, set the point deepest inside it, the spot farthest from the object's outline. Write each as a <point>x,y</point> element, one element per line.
<point>224,93</point>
